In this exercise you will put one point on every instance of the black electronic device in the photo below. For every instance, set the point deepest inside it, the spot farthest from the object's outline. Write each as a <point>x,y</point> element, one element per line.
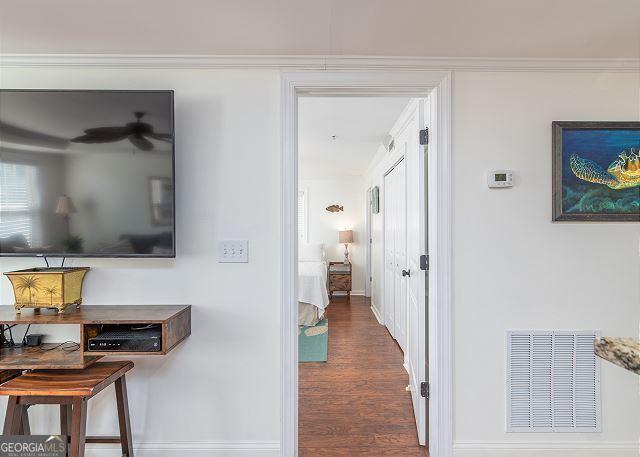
<point>127,340</point>
<point>33,340</point>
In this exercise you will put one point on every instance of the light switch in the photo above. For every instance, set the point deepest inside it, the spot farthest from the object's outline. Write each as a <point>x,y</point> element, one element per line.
<point>233,251</point>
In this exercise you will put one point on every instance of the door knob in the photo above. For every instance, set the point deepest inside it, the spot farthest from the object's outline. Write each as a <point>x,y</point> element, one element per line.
<point>406,272</point>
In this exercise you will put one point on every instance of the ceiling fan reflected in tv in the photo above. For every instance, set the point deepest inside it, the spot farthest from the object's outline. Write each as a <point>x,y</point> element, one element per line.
<point>138,133</point>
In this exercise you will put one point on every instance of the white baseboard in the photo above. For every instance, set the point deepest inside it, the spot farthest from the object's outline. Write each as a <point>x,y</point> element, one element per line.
<point>191,449</point>
<point>541,449</point>
<point>376,314</point>
<point>353,292</point>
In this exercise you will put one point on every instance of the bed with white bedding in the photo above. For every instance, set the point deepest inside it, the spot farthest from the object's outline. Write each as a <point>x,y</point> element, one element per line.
<point>312,284</point>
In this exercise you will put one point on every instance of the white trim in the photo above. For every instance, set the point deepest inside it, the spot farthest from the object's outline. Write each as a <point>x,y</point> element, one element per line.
<point>318,62</point>
<point>288,271</point>
<point>375,312</point>
<point>339,293</point>
<point>368,285</point>
<point>192,449</point>
<point>305,203</point>
<point>412,83</point>
<point>544,449</point>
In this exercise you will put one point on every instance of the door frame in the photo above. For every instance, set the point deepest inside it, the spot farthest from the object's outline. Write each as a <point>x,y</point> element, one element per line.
<point>368,285</point>
<point>436,84</point>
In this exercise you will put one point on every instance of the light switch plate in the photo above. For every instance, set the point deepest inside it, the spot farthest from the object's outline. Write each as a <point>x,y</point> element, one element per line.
<point>233,251</point>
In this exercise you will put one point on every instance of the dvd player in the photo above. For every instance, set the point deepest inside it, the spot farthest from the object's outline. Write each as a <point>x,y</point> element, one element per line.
<point>127,340</point>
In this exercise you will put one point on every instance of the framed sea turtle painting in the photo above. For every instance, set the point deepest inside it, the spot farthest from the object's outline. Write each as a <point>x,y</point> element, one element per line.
<point>596,171</point>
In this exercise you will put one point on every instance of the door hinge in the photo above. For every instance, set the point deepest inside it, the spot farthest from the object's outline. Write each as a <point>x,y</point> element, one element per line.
<point>424,390</point>
<point>424,262</point>
<point>424,136</point>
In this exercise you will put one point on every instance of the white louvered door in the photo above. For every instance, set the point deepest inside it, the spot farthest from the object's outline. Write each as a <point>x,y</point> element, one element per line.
<point>553,382</point>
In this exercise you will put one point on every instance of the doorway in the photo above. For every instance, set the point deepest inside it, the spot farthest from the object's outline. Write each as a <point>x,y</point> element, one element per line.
<point>358,83</point>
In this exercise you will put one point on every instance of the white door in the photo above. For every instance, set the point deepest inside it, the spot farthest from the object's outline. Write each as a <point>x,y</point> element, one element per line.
<point>400,254</point>
<point>389,251</point>
<point>416,352</point>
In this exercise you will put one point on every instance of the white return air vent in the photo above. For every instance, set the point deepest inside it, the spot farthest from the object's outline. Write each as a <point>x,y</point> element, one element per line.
<point>553,382</point>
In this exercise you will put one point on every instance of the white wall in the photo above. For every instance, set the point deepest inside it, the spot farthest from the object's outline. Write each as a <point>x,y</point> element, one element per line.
<point>513,267</point>
<point>217,394</point>
<point>323,226</point>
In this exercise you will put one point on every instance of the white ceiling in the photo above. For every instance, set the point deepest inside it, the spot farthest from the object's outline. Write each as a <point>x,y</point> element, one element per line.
<point>433,28</point>
<point>360,124</point>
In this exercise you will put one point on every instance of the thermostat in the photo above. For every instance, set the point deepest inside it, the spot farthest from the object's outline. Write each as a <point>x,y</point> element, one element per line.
<point>500,178</point>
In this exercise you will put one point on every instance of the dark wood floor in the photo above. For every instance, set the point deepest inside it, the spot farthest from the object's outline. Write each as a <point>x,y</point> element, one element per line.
<point>356,403</point>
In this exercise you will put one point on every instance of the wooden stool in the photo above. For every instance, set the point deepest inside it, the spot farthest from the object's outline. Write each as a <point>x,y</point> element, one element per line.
<point>71,389</point>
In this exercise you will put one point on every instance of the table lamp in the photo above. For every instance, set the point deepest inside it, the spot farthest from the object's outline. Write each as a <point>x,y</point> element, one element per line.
<point>346,237</point>
<point>65,206</point>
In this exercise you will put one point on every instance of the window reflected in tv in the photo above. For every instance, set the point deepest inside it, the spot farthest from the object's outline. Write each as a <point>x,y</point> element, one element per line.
<point>87,173</point>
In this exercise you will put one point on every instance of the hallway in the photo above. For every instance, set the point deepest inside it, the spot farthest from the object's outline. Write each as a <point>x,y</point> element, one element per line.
<point>356,403</point>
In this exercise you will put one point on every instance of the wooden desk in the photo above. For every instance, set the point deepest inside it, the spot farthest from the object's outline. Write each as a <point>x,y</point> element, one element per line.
<point>175,321</point>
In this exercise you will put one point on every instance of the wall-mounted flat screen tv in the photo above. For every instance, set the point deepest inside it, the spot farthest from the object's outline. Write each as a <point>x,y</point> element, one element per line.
<point>87,173</point>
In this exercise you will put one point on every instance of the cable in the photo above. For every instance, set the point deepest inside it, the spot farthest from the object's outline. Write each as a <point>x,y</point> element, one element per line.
<point>145,327</point>
<point>46,261</point>
<point>72,346</point>
<point>63,259</point>
<point>11,342</point>
<point>24,337</point>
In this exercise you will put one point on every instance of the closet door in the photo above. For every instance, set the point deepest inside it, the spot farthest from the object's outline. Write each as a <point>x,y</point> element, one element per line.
<point>400,253</point>
<point>389,250</point>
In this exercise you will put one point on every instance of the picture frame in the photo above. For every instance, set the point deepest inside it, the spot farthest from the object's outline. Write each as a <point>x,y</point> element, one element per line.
<point>596,171</point>
<point>375,200</point>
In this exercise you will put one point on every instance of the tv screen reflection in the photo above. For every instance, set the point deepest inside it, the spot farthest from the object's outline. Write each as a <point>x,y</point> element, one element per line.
<point>86,173</point>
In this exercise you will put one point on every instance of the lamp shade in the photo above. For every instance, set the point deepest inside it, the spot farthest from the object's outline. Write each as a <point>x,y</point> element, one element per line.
<point>65,205</point>
<point>345,236</point>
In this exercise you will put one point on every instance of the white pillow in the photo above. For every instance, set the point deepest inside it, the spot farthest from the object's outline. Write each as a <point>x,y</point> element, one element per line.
<point>311,252</point>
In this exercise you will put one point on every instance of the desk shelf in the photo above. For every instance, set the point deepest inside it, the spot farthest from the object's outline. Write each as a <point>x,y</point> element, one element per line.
<point>43,358</point>
<point>175,322</point>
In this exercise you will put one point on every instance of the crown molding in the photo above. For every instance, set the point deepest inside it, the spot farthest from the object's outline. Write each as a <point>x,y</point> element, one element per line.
<point>302,62</point>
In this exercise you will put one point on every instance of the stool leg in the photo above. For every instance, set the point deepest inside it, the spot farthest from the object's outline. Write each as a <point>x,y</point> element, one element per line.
<point>25,428</point>
<point>123,417</point>
<point>78,427</point>
<point>13,417</point>
<point>65,420</point>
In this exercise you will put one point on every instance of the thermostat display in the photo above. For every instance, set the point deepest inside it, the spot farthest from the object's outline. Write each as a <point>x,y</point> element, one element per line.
<point>500,178</point>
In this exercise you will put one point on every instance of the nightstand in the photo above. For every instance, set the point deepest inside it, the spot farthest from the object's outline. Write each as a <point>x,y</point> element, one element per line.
<point>339,278</point>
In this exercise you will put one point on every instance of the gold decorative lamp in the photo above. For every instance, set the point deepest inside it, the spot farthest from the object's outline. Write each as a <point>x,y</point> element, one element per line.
<point>56,288</point>
<point>346,237</point>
